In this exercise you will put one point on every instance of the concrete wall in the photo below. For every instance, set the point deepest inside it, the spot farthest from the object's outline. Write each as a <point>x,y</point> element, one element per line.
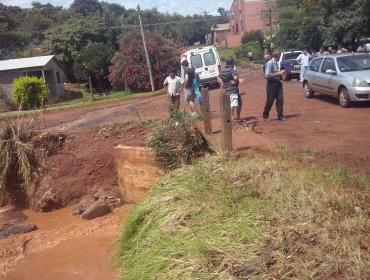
<point>137,172</point>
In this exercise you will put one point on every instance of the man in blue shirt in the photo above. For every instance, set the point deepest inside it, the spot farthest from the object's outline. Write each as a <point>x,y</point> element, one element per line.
<point>274,87</point>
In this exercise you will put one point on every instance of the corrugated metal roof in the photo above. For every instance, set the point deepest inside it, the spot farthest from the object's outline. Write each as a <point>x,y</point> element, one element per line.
<point>221,26</point>
<point>28,62</point>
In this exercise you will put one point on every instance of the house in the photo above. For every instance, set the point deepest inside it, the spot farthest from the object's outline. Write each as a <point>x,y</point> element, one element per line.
<point>46,67</point>
<point>219,33</point>
<point>247,15</point>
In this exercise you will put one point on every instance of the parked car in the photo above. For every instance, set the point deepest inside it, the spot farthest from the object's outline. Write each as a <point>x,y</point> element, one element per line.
<point>344,76</point>
<point>288,61</point>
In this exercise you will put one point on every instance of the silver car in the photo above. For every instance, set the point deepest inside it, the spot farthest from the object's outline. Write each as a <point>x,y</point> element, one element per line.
<point>344,76</point>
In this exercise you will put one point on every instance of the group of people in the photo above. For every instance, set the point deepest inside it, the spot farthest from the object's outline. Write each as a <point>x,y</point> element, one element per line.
<point>189,84</point>
<point>228,80</point>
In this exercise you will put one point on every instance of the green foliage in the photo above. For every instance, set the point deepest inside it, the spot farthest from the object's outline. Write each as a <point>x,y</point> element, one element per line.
<point>30,91</point>
<point>176,140</point>
<point>249,216</point>
<point>253,36</point>
<point>96,68</point>
<point>321,22</point>
<point>86,8</point>
<point>241,52</point>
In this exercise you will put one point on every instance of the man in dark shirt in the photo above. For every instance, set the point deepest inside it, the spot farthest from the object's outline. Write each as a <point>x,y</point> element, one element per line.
<point>229,81</point>
<point>189,88</point>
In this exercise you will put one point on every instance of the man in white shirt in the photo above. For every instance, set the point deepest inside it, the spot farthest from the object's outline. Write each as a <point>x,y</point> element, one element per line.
<point>303,59</point>
<point>174,86</point>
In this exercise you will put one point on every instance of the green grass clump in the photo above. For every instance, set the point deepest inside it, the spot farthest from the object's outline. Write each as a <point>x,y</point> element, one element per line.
<point>249,217</point>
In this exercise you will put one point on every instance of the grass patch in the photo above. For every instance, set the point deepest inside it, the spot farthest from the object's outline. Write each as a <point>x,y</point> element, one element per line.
<point>85,101</point>
<point>224,52</point>
<point>250,216</point>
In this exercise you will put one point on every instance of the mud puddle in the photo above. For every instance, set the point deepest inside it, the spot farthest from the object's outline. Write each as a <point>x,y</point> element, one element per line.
<point>63,247</point>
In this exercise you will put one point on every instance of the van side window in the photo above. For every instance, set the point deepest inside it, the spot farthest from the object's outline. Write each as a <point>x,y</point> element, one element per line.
<point>209,58</point>
<point>196,61</point>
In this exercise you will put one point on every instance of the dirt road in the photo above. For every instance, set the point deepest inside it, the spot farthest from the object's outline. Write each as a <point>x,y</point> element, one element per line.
<point>317,123</point>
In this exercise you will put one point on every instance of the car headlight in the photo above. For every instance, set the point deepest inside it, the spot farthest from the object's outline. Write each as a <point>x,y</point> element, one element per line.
<point>359,83</point>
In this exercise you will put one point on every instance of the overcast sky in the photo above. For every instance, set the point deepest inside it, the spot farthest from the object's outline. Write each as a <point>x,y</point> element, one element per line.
<point>184,7</point>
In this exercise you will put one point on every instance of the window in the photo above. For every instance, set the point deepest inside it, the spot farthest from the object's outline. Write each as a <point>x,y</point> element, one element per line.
<point>209,58</point>
<point>328,64</point>
<point>354,63</point>
<point>241,25</point>
<point>196,61</point>
<point>58,77</point>
<point>315,64</point>
<point>237,28</point>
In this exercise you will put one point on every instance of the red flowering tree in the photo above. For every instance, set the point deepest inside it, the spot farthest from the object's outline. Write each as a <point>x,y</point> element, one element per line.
<point>129,62</point>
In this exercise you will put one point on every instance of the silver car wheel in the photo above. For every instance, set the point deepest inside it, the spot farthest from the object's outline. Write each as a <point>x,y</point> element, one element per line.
<point>308,91</point>
<point>344,100</point>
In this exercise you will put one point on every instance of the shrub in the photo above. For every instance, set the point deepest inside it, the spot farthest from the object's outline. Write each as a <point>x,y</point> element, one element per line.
<point>176,141</point>
<point>30,91</point>
<point>241,52</point>
<point>253,36</point>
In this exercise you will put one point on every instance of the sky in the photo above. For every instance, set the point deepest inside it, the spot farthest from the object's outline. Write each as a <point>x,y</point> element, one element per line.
<point>184,7</point>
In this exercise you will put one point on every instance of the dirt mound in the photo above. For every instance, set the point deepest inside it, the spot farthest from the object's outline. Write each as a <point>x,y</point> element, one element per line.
<point>84,165</point>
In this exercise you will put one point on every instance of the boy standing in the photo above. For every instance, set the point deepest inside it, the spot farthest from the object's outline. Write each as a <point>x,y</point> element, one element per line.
<point>173,85</point>
<point>229,81</point>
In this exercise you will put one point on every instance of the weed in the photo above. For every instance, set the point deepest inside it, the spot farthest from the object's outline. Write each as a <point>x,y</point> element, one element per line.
<point>250,217</point>
<point>176,140</point>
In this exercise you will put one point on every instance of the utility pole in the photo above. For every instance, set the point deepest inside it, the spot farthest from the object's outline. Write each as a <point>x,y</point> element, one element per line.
<point>146,51</point>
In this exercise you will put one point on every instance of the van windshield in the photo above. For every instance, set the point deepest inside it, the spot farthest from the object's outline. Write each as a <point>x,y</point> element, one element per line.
<point>196,61</point>
<point>209,59</point>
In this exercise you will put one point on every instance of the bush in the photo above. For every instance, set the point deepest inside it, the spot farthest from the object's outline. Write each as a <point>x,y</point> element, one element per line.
<point>30,91</point>
<point>241,52</point>
<point>176,141</point>
<point>253,36</point>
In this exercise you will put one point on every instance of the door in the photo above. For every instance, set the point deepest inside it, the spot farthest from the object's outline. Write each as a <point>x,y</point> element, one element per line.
<point>326,82</point>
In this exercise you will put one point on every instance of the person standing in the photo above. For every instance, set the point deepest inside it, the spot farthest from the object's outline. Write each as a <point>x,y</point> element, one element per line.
<point>189,89</point>
<point>274,87</point>
<point>303,59</point>
<point>229,81</point>
<point>198,96</point>
<point>174,87</point>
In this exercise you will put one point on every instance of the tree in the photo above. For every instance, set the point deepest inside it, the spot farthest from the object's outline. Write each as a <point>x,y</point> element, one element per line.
<point>96,68</point>
<point>129,62</point>
<point>222,12</point>
<point>67,40</point>
<point>86,8</point>
<point>253,36</point>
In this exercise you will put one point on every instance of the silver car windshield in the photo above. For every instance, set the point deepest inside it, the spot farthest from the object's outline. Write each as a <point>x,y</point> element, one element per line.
<point>353,63</point>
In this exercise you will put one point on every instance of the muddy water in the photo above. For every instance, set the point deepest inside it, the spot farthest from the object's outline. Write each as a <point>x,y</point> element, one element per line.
<point>64,247</point>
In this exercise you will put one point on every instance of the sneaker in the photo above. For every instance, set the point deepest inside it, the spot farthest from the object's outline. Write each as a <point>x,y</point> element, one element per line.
<point>282,119</point>
<point>266,119</point>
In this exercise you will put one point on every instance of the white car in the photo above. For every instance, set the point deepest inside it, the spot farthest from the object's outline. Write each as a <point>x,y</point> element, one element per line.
<point>344,76</point>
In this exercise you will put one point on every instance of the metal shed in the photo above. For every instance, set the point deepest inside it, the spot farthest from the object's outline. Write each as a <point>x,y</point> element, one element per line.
<point>46,67</point>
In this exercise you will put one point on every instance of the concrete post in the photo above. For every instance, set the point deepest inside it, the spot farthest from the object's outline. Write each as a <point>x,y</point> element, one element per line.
<point>206,111</point>
<point>226,124</point>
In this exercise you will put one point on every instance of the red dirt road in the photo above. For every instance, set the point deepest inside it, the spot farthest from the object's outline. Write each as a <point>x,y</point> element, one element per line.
<point>317,123</point>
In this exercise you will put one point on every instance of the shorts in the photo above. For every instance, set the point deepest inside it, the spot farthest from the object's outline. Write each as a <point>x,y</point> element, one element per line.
<point>189,94</point>
<point>198,98</point>
<point>235,100</point>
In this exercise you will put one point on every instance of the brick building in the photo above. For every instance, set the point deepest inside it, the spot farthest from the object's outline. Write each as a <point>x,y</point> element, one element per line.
<point>247,15</point>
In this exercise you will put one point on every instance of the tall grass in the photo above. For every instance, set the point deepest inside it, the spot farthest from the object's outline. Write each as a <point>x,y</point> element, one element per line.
<point>250,217</point>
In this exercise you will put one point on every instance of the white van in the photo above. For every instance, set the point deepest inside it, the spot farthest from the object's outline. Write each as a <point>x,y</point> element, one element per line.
<point>206,62</point>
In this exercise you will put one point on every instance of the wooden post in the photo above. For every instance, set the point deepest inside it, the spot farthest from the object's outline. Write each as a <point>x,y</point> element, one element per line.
<point>226,124</point>
<point>92,95</point>
<point>206,111</point>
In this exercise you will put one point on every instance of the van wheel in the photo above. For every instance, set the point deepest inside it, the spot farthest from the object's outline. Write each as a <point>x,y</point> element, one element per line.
<point>308,92</point>
<point>344,100</point>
